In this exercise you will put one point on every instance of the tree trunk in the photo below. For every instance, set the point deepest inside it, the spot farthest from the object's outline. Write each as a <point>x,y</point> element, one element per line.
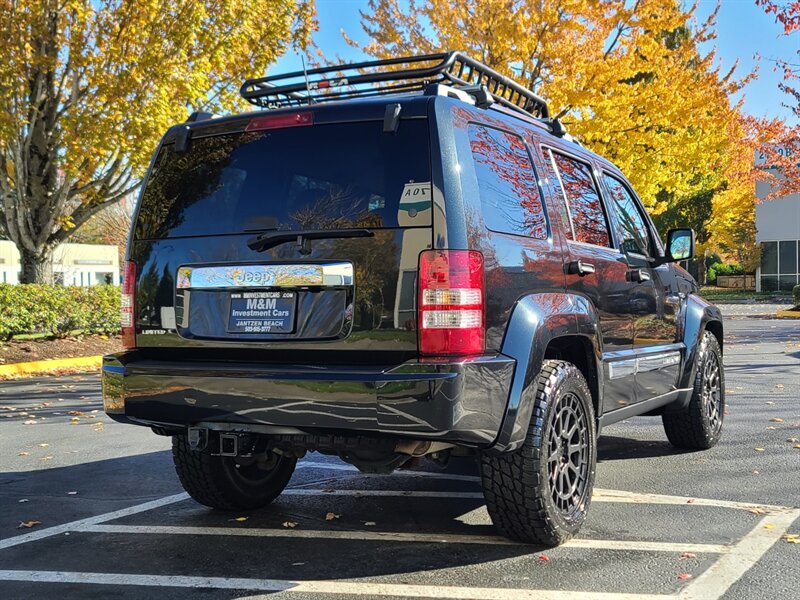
<point>37,267</point>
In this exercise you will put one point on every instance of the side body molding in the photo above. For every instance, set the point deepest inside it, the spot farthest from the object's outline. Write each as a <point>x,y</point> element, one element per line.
<point>699,316</point>
<point>537,319</point>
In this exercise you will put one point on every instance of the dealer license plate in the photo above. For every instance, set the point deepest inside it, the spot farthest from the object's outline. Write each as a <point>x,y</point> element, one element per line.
<point>262,312</point>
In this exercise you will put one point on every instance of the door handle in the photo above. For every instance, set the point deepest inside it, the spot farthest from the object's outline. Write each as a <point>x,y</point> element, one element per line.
<point>673,300</point>
<point>579,267</point>
<point>639,275</point>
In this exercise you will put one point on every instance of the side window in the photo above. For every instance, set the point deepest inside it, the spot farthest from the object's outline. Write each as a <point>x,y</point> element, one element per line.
<point>631,228</point>
<point>507,183</point>
<point>583,205</point>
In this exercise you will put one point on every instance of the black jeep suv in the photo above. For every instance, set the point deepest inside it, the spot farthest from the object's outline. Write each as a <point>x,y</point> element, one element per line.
<point>404,259</point>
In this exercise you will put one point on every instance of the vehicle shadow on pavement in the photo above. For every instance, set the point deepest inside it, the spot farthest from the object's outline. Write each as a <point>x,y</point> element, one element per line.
<point>610,447</point>
<point>101,486</point>
<point>110,485</point>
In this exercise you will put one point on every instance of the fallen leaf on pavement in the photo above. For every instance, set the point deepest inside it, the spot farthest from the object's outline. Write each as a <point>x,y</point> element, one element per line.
<point>756,472</point>
<point>793,440</point>
<point>23,454</point>
<point>44,445</point>
<point>690,501</point>
<point>797,446</point>
<point>685,576</point>
<point>770,427</point>
<point>792,538</point>
<point>28,524</point>
<point>370,523</point>
<point>29,422</point>
<point>289,524</point>
<point>776,420</point>
<point>239,519</point>
<point>48,457</point>
<point>759,449</point>
<point>23,500</point>
<point>688,555</point>
<point>770,403</point>
<point>769,526</point>
<point>71,493</point>
<point>544,557</point>
<point>779,386</point>
<point>757,511</point>
<point>331,516</point>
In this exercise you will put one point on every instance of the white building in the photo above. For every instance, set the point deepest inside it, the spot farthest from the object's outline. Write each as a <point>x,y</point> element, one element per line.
<point>778,231</point>
<point>73,264</point>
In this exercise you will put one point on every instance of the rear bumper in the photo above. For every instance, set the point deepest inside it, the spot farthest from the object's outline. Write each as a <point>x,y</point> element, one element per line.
<point>462,401</point>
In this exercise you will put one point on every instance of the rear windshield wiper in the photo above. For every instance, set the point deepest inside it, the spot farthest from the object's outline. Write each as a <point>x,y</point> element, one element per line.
<point>270,239</point>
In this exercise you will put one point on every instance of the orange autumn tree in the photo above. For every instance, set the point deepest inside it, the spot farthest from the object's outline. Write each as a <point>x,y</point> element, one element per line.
<point>627,78</point>
<point>781,147</point>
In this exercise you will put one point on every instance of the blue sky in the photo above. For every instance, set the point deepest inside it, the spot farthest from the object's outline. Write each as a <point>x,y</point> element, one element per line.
<point>743,31</point>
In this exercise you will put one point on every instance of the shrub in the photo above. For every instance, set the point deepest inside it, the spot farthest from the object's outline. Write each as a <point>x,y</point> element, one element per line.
<point>796,295</point>
<point>57,310</point>
<point>723,269</point>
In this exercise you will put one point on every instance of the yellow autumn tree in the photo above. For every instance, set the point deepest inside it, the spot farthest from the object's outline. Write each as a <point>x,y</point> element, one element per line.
<point>87,87</point>
<point>626,77</point>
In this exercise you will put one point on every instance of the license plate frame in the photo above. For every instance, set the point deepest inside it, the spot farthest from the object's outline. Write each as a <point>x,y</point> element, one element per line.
<point>262,312</point>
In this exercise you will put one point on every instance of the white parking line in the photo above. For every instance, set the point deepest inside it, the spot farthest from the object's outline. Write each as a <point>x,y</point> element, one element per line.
<point>392,536</point>
<point>381,493</point>
<point>342,588</point>
<point>720,576</point>
<point>622,496</point>
<point>396,474</point>
<point>67,527</point>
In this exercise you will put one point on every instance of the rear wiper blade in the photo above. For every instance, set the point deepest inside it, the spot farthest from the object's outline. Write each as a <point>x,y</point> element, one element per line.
<point>270,239</point>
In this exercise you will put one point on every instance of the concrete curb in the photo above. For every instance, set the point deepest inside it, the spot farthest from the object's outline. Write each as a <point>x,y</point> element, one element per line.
<point>788,314</point>
<point>81,363</point>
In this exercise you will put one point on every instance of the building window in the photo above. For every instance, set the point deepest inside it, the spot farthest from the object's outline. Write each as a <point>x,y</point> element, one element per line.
<point>780,265</point>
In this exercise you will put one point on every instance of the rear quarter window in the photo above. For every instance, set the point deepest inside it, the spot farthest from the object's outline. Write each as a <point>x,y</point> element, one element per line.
<point>330,176</point>
<point>506,181</point>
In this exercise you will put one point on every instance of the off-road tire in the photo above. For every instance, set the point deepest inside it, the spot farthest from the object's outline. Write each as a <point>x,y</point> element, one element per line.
<point>216,481</point>
<point>698,426</point>
<point>517,485</point>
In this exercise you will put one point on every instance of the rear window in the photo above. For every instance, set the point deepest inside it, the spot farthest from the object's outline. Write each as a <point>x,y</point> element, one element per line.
<point>334,176</point>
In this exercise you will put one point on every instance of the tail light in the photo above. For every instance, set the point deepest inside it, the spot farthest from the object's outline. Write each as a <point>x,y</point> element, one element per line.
<point>127,305</point>
<point>451,303</point>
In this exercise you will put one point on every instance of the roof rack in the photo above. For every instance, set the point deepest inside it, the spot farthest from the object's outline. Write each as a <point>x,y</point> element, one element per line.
<point>390,76</point>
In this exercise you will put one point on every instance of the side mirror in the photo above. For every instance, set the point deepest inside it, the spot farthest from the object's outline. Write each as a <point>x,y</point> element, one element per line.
<point>680,245</point>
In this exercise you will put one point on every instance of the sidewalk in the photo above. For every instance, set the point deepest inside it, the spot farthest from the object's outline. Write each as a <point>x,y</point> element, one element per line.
<point>744,308</point>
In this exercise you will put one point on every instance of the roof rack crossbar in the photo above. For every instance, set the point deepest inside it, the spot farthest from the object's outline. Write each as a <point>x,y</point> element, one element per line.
<point>389,76</point>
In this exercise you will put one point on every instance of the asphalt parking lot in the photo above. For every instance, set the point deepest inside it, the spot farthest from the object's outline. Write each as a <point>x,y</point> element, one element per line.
<point>113,519</point>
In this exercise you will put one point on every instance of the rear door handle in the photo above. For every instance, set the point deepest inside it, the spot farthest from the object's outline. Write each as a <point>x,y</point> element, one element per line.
<point>674,299</point>
<point>579,267</point>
